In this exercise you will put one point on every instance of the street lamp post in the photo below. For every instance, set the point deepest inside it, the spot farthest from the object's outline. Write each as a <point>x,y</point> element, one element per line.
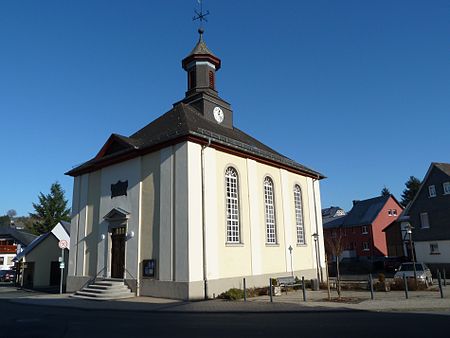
<point>316,242</point>
<point>290,252</point>
<point>413,258</point>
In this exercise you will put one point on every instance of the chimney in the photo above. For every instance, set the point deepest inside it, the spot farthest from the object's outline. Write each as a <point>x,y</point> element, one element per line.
<point>355,201</point>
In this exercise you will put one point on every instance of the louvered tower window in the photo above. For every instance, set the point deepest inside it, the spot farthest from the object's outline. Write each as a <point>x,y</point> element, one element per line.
<point>212,84</point>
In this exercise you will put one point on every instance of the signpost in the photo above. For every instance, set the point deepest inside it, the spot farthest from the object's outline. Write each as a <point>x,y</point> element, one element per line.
<point>62,245</point>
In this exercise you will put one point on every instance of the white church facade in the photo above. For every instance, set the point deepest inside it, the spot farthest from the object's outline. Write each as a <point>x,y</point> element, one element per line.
<point>190,205</point>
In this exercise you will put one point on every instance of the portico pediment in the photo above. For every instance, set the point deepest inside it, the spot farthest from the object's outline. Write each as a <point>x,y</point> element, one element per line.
<point>117,214</point>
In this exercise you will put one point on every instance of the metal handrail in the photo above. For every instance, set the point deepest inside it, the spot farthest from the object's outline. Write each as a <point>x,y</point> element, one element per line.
<point>93,279</point>
<point>132,277</point>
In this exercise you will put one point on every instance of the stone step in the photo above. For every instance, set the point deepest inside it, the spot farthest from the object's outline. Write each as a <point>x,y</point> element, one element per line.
<point>106,289</point>
<point>90,297</point>
<point>103,294</point>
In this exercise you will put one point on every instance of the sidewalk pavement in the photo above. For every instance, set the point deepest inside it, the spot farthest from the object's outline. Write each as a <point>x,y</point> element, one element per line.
<point>394,301</point>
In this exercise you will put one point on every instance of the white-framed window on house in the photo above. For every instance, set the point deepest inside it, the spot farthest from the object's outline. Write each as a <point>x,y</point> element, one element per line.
<point>390,212</point>
<point>232,203</point>
<point>364,229</point>
<point>365,246</point>
<point>299,214</point>
<point>424,221</point>
<point>432,191</point>
<point>394,212</point>
<point>269,205</point>
<point>446,186</point>
<point>434,249</point>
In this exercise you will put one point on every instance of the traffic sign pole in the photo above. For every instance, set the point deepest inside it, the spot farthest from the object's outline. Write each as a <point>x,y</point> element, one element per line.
<point>61,265</point>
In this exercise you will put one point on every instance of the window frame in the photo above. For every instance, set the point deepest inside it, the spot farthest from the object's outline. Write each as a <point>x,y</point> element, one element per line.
<point>364,230</point>
<point>424,215</point>
<point>299,219</point>
<point>231,229</point>
<point>434,248</point>
<point>270,220</point>
<point>431,191</point>
<point>446,187</point>
<point>365,246</point>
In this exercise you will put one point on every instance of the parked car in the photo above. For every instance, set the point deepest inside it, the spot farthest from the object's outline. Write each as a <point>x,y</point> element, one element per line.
<point>392,264</point>
<point>7,275</point>
<point>423,273</point>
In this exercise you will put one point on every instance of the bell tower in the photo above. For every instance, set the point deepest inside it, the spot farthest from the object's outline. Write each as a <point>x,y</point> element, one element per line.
<point>201,66</point>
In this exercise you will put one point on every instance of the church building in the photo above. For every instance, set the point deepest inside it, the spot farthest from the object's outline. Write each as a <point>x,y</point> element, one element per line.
<point>189,205</point>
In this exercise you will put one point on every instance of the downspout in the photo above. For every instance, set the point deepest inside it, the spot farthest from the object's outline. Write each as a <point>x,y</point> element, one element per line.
<point>317,228</point>
<point>205,267</point>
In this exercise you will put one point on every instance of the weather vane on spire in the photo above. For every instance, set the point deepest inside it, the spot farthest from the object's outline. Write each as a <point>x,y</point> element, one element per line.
<point>200,15</point>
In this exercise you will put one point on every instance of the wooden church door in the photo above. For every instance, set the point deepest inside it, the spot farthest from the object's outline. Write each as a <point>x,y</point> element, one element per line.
<point>118,252</point>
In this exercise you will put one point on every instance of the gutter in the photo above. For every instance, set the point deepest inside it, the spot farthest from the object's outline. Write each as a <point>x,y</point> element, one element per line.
<point>205,266</point>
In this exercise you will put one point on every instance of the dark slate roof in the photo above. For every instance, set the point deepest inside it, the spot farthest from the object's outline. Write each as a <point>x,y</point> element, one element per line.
<point>23,237</point>
<point>445,167</point>
<point>66,226</point>
<point>331,211</point>
<point>333,222</point>
<point>183,120</point>
<point>31,246</point>
<point>363,213</point>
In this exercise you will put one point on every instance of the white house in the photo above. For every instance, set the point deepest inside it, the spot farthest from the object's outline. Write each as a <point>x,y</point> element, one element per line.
<point>189,205</point>
<point>39,264</point>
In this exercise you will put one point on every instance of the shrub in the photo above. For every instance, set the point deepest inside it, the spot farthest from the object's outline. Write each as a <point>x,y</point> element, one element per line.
<point>381,277</point>
<point>399,284</point>
<point>232,294</point>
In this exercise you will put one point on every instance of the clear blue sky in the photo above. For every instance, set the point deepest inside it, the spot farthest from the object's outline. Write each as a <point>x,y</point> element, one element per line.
<point>358,90</point>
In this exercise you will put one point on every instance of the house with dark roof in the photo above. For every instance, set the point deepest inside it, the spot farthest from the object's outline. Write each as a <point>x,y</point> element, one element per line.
<point>12,242</point>
<point>38,265</point>
<point>429,215</point>
<point>331,213</point>
<point>361,229</point>
<point>189,205</point>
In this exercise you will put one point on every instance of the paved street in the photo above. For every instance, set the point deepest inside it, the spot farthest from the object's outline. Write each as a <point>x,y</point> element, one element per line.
<point>23,320</point>
<point>26,314</point>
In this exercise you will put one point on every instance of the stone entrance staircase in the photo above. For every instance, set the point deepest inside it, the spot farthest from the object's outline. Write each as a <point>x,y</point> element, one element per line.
<point>106,289</point>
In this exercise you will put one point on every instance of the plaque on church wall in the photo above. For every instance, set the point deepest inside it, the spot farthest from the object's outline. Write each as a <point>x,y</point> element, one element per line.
<point>119,189</point>
<point>149,266</point>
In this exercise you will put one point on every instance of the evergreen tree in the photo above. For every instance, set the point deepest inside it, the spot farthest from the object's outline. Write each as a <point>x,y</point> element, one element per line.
<point>385,191</point>
<point>412,187</point>
<point>51,209</point>
<point>5,220</point>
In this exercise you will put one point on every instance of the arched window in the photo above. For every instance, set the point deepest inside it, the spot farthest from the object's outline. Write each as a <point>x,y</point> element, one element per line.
<point>232,200</point>
<point>299,215</point>
<point>269,204</point>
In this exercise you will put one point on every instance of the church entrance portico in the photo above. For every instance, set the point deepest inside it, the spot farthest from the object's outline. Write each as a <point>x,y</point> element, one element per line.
<point>118,252</point>
<point>115,250</point>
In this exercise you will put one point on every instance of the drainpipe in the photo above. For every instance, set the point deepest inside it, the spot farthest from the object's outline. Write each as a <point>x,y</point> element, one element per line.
<point>205,267</point>
<point>317,228</point>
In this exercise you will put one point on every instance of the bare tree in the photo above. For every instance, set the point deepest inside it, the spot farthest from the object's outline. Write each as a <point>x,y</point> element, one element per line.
<point>336,245</point>
<point>11,213</point>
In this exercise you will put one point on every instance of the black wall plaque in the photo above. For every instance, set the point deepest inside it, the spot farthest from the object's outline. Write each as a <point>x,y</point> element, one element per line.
<point>149,266</point>
<point>119,189</point>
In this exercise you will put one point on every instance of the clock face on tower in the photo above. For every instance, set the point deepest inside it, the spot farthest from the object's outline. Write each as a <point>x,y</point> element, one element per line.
<point>218,114</point>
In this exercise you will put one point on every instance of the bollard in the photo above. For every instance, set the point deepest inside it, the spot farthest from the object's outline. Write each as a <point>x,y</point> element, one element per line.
<point>440,284</point>
<point>245,291</point>
<point>444,275</point>
<point>303,289</point>
<point>406,286</point>
<point>371,286</point>
<point>270,290</point>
